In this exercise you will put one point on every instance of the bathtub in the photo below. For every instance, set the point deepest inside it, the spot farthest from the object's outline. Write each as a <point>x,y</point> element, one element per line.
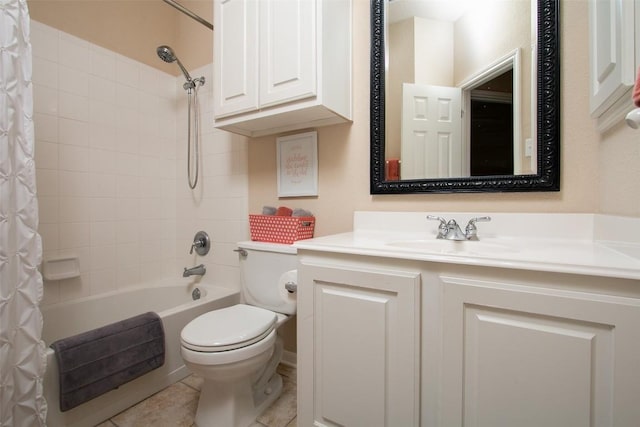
<point>175,306</point>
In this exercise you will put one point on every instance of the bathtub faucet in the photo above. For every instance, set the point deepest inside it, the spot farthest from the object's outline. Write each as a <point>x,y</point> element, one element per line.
<point>198,270</point>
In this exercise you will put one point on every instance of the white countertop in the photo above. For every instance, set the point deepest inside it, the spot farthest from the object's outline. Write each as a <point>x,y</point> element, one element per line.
<point>565,243</point>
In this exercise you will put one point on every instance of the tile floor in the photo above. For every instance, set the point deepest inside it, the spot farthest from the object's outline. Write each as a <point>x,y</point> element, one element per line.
<point>175,406</point>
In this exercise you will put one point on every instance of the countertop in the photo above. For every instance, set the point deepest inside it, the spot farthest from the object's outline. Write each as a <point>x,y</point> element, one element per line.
<point>573,244</point>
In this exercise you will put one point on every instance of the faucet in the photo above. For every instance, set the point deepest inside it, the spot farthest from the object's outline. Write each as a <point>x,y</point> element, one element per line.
<point>451,230</point>
<point>198,270</point>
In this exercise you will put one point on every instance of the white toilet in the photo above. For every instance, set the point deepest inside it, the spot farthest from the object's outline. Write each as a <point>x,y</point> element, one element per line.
<point>236,349</point>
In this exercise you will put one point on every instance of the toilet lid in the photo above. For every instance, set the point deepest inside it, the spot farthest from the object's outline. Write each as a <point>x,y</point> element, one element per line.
<point>228,328</point>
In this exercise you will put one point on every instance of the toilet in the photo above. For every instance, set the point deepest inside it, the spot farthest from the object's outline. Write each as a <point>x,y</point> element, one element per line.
<point>236,349</point>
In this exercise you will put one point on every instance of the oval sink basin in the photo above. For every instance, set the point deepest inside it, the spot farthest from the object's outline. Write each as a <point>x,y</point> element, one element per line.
<point>453,246</point>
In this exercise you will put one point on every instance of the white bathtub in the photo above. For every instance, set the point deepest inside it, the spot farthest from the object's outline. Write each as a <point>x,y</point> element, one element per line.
<point>176,308</point>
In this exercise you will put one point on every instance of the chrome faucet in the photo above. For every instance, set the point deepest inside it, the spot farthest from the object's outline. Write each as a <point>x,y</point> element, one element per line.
<point>198,270</point>
<point>451,230</point>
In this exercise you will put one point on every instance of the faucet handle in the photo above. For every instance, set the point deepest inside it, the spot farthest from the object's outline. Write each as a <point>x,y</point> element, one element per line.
<point>443,228</point>
<point>471,230</point>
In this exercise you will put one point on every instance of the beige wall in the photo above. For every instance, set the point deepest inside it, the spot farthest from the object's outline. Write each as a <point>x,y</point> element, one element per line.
<point>599,172</point>
<point>134,28</point>
<point>594,175</point>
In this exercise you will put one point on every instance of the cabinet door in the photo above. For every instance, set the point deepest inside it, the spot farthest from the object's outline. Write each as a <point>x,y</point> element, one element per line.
<point>236,57</point>
<point>612,62</point>
<point>287,50</point>
<point>523,356</point>
<point>365,358</point>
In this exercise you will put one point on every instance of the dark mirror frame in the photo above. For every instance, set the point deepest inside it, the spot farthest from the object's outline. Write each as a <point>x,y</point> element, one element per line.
<point>547,177</point>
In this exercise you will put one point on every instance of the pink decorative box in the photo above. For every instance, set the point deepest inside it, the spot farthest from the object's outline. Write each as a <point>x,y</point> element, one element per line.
<point>281,229</point>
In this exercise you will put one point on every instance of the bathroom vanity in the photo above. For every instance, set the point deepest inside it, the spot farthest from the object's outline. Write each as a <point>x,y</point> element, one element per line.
<point>536,323</point>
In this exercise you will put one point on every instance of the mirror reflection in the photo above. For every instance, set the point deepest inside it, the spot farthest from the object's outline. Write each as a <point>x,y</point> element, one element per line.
<point>459,89</point>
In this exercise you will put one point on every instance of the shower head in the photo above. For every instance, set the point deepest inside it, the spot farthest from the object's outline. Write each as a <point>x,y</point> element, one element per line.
<point>167,55</point>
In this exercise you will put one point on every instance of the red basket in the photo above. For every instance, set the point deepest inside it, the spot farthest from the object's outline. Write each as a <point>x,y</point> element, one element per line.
<point>281,229</point>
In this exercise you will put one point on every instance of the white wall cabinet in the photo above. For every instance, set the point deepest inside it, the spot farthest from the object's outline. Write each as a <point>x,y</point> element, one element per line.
<point>489,347</point>
<point>614,42</point>
<point>281,65</point>
<point>360,346</point>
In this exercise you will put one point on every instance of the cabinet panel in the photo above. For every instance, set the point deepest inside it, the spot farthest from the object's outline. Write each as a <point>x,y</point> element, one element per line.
<point>288,52</point>
<point>525,356</point>
<point>612,58</point>
<point>236,47</point>
<point>365,347</point>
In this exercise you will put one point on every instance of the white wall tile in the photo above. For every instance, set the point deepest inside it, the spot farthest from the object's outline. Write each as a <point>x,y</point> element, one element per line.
<point>45,99</point>
<point>73,81</point>
<point>48,209</point>
<point>74,132</point>
<point>102,185</point>
<point>45,127</point>
<point>44,41</point>
<point>74,209</point>
<point>111,164</point>
<point>73,158</point>
<point>103,209</point>
<point>47,182</point>
<point>103,257</point>
<point>103,233</point>
<point>72,106</point>
<point>102,89</point>
<point>103,63</point>
<point>46,155</point>
<point>127,72</point>
<point>74,235</point>
<point>74,52</point>
<point>45,72</point>
<point>73,184</point>
<point>103,161</point>
<point>102,136</point>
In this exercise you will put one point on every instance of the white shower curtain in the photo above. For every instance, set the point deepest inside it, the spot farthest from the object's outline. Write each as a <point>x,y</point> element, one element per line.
<point>22,360</point>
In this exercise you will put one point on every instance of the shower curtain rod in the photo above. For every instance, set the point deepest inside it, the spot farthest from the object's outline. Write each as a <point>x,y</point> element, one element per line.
<point>187,12</point>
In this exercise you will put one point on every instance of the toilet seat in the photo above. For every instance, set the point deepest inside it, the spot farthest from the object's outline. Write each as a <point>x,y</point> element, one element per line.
<point>228,328</point>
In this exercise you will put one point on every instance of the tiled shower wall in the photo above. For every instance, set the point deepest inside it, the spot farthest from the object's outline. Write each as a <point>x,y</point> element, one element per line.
<point>111,171</point>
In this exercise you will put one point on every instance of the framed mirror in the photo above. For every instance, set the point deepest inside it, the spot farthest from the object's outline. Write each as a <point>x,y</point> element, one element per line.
<point>466,99</point>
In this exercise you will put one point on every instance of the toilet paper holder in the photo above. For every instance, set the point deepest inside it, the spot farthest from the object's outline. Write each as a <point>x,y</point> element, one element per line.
<point>291,287</point>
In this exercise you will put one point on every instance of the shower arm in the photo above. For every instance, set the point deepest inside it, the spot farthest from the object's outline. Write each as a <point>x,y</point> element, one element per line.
<point>189,13</point>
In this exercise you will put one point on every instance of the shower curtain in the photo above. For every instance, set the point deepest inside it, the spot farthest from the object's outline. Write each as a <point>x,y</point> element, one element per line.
<point>22,360</point>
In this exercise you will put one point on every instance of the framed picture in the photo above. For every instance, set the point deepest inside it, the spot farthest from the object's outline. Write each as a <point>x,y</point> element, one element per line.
<point>297,157</point>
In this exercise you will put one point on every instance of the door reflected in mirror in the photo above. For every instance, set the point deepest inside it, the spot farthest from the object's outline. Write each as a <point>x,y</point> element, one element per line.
<point>459,88</point>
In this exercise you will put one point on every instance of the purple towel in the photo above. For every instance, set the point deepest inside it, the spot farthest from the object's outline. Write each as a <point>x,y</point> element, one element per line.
<point>95,362</point>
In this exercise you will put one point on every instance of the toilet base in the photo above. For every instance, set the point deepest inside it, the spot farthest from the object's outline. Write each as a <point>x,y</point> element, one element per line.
<point>235,404</point>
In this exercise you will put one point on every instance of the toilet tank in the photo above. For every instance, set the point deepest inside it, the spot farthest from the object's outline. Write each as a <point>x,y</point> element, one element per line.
<point>263,272</point>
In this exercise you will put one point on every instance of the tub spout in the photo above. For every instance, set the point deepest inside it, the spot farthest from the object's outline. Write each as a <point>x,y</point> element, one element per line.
<point>198,270</point>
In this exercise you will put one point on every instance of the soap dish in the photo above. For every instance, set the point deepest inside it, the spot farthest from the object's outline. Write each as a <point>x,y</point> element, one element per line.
<point>61,268</point>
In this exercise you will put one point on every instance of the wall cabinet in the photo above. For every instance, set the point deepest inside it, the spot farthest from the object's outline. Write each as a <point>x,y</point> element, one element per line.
<point>360,346</point>
<point>614,42</point>
<point>281,65</point>
<point>487,346</point>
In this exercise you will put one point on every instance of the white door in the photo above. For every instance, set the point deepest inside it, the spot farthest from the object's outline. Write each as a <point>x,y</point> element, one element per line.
<point>287,50</point>
<point>523,356</point>
<point>431,132</point>
<point>364,359</point>
<point>235,88</point>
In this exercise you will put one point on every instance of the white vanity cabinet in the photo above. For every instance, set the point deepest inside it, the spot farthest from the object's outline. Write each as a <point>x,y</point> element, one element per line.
<point>396,342</point>
<point>281,65</point>
<point>358,344</point>
<point>614,58</point>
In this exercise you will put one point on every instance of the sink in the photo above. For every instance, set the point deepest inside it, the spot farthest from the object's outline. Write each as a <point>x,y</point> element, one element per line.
<point>453,246</point>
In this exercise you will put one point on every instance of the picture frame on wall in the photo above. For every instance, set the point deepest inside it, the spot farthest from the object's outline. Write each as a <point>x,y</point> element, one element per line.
<point>297,158</point>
